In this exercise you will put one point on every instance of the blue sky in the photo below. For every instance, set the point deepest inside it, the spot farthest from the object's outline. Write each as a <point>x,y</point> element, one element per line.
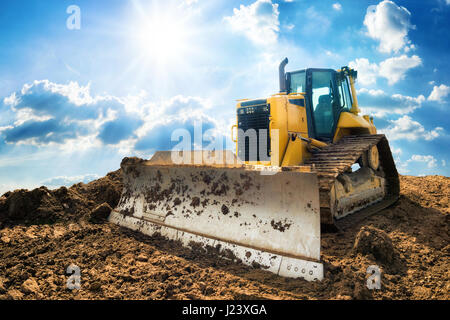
<point>74,102</point>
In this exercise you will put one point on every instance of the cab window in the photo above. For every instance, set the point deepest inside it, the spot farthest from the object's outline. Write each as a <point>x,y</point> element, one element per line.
<point>298,82</point>
<point>344,93</point>
<point>322,103</point>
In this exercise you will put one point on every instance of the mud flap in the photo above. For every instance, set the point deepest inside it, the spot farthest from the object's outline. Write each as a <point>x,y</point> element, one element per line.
<point>272,220</point>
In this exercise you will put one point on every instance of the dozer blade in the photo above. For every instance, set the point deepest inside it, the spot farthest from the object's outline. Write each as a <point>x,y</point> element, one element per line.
<point>266,220</point>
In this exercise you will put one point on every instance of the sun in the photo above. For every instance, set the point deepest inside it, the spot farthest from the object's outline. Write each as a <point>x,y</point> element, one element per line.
<point>162,38</point>
<point>162,41</point>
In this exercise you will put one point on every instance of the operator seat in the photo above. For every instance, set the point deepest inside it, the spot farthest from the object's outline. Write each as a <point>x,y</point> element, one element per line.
<point>323,114</point>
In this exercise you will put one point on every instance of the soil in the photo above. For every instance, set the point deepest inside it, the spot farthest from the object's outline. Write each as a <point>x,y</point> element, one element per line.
<point>44,231</point>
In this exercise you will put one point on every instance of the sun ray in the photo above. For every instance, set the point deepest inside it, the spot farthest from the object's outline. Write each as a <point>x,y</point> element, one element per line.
<point>162,42</point>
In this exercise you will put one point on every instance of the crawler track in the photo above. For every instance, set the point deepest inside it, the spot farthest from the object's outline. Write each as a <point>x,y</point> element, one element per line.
<point>336,159</point>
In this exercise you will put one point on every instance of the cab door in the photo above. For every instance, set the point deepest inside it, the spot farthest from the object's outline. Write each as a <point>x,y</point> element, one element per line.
<point>324,103</point>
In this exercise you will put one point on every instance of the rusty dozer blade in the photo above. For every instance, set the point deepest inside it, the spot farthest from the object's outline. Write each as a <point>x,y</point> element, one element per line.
<point>269,218</point>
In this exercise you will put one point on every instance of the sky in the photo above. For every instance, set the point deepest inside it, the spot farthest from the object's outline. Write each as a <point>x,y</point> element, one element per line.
<point>85,83</point>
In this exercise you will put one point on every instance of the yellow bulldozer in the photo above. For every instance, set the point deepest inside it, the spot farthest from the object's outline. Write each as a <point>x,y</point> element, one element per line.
<point>304,159</point>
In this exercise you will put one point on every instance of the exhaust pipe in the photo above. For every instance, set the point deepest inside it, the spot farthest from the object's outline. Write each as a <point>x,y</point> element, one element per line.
<point>282,75</point>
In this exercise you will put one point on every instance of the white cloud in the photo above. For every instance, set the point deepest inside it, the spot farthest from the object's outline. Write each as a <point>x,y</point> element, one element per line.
<point>409,48</point>
<point>290,26</point>
<point>5,188</point>
<point>11,100</point>
<point>428,159</point>
<point>367,72</point>
<point>408,129</point>
<point>335,56</point>
<point>380,104</point>
<point>50,113</point>
<point>15,186</point>
<point>439,93</point>
<point>372,92</point>
<point>389,24</point>
<point>337,6</point>
<point>68,118</point>
<point>69,180</point>
<point>414,101</point>
<point>417,163</point>
<point>257,21</point>
<point>315,22</point>
<point>394,69</point>
<point>396,151</point>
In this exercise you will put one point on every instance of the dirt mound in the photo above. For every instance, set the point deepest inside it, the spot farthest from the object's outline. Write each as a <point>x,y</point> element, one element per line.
<point>428,191</point>
<point>117,263</point>
<point>41,205</point>
<point>107,189</point>
<point>372,241</point>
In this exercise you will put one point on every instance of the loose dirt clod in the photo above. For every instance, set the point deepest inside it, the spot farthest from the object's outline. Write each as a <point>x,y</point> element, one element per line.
<point>361,292</point>
<point>100,213</point>
<point>30,286</point>
<point>2,286</point>
<point>370,240</point>
<point>14,294</point>
<point>48,230</point>
<point>142,257</point>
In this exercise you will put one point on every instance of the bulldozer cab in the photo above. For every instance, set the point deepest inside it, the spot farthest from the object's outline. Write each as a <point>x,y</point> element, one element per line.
<point>327,94</point>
